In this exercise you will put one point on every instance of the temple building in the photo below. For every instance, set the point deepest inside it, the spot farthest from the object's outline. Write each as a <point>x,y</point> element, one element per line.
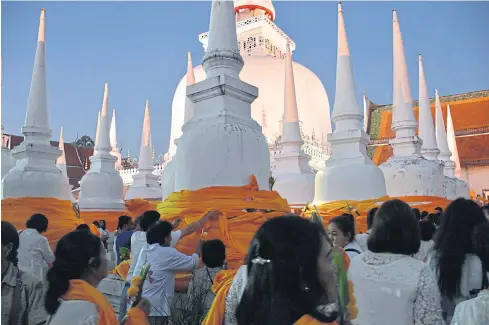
<point>470,113</point>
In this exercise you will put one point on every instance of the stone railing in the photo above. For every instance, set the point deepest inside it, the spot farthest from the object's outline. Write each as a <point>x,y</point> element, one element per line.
<point>128,173</point>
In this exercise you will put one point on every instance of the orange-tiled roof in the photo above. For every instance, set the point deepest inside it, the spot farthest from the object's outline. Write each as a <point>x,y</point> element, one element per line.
<point>472,150</point>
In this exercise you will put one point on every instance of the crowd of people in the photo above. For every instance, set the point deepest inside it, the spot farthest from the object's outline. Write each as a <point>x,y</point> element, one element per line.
<point>409,268</point>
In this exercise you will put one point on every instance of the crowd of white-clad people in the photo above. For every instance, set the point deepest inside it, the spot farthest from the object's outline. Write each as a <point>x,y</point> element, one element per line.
<point>409,268</point>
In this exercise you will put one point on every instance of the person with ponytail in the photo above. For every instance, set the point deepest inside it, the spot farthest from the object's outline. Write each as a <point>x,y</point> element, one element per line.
<point>22,292</point>
<point>72,296</point>
<point>290,275</point>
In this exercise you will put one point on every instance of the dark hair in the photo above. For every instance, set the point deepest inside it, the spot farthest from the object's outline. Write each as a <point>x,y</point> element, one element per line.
<point>83,227</point>
<point>435,219</point>
<point>274,292</point>
<point>102,224</point>
<point>75,253</point>
<point>148,218</point>
<point>439,209</point>
<point>424,214</point>
<point>481,248</point>
<point>371,216</point>
<point>96,223</point>
<point>395,229</point>
<point>427,230</point>
<point>159,232</point>
<point>417,214</point>
<point>123,220</point>
<point>346,224</point>
<point>453,242</point>
<point>38,221</point>
<point>10,236</point>
<point>213,253</point>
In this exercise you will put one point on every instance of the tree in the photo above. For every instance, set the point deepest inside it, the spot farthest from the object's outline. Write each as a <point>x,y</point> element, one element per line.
<point>84,142</point>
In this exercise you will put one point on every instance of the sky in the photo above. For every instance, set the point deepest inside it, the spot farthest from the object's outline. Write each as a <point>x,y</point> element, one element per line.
<point>141,50</point>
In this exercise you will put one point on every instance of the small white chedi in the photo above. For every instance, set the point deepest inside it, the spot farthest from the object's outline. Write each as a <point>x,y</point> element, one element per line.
<point>145,185</point>
<point>294,178</point>
<point>222,144</point>
<point>168,175</point>
<point>350,174</point>
<point>101,186</point>
<point>35,173</point>
<point>61,164</point>
<point>407,173</point>
<point>113,142</point>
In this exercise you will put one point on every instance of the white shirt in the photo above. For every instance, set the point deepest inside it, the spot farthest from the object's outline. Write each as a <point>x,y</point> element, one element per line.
<point>361,240</point>
<point>353,249</point>
<point>159,286</point>
<point>139,245</point>
<point>34,253</point>
<point>394,289</point>
<point>424,250</point>
<point>474,311</point>
<point>75,312</point>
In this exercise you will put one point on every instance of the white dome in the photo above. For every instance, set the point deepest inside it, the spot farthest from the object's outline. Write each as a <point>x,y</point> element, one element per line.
<point>268,74</point>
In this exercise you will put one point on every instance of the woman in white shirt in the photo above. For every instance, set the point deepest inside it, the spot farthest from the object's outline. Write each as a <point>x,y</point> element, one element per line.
<point>361,239</point>
<point>35,255</point>
<point>427,230</point>
<point>453,262</point>
<point>341,230</point>
<point>390,286</point>
<point>164,262</point>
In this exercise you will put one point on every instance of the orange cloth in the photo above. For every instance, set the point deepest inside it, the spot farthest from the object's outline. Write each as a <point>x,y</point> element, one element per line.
<point>221,286</point>
<point>136,207</point>
<point>62,217</point>
<point>122,269</point>
<point>81,290</point>
<point>308,320</point>
<point>235,227</point>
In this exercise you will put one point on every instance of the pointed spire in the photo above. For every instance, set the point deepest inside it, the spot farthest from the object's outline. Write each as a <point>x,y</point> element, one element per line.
<point>113,132</point>
<point>61,161</point>
<point>442,141</point>
<point>189,106</point>
<point>347,113</point>
<point>429,149</point>
<point>98,129</point>
<point>403,120</point>
<point>146,150</point>
<point>222,55</point>
<point>103,135</point>
<point>291,128</point>
<point>452,143</point>
<point>365,112</point>
<point>37,116</point>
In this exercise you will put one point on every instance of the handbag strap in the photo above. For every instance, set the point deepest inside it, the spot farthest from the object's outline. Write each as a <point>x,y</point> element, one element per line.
<point>209,274</point>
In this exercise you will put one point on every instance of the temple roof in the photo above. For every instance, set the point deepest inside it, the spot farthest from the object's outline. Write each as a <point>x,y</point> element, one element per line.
<point>77,159</point>
<point>470,112</point>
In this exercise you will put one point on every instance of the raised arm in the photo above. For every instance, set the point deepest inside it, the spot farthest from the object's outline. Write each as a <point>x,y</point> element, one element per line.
<point>427,307</point>
<point>199,223</point>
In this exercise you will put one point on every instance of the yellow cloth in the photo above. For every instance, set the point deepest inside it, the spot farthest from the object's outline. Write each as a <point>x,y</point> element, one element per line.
<point>81,290</point>
<point>222,283</point>
<point>308,320</point>
<point>62,217</point>
<point>122,269</point>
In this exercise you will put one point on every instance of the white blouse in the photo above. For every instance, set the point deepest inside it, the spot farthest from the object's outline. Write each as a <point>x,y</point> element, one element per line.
<point>474,311</point>
<point>34,253</point>
<point>394,289</point>
<point>234,295</point>
<point>424,250</point>
<point>75,312</point>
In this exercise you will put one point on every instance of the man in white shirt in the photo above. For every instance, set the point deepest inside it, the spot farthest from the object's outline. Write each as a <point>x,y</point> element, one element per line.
<point>139,245</point>
<point>35,255</point>
<point>164,262</point>
<point>361,239</point>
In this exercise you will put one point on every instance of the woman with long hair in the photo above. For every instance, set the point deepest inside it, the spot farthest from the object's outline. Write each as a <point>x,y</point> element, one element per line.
<point>476,311</point>
<point>390,286</point>
<point>291,275</point>
<point>341,231</point>
<point>72,296</point>
<point>458,270</point>
<point>22,292</point>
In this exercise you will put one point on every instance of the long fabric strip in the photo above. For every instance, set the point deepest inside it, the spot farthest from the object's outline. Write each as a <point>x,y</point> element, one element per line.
<point>221,286</point>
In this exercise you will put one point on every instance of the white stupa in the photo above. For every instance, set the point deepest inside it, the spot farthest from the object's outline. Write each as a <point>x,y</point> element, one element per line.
<point>61,164</point>
<point>262,45</point>
<point>97,132</point>
<point>407,173</point>
<point>113,142</point>
<point>168,175</point>
<point>145,185</point>
<point>222,144</point>
<point>35,173</point>
<point>294,178</point>
<point>350,174</point>
<point>101,186</point>
<point>462,188</point>
<point>429,149</point>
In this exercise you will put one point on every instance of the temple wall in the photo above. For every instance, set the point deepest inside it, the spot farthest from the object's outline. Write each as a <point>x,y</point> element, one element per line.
<point>477,177</point>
